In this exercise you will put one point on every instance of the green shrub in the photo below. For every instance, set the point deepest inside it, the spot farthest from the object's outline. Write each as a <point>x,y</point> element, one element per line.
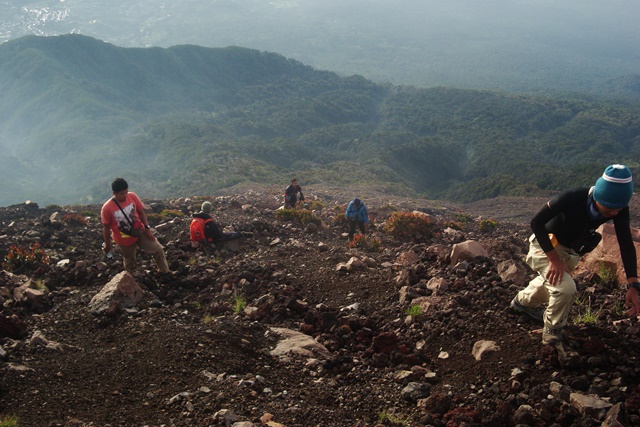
<point>463,217</point>
<point>454,224</point>
<point>285,214</point>
<point>74,219</point>
<point>304,216</point>
<point>487,224</point>
<point>362,241</point>
<point>314,205</point>
<point>18,258</point>
<point>154,218</point>
<point>170,213</point>
<point>408,225</point>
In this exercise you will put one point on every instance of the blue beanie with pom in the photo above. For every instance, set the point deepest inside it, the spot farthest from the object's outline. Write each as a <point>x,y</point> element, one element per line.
<point>614,188</point>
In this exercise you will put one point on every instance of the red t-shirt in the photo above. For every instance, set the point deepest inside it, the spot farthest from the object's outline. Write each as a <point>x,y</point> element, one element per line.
<point>112,216</point>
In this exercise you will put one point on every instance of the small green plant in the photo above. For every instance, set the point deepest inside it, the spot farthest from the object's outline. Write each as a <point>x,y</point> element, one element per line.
<point>8,421</point>
<point>586,315</point>
<point>73,218</point>
<point>409,225</point>
<point>18,258</point>
<point>619,306</point>
<point>608,274</point>
<point>362,241</point>
<point>207,319</point>
<point>315,205</point>
<point>192,260</point>
<point>305,216</point>
<point>170,213</point>
<point>487,224</point>
<point>454,225</point>
<point>239,304</point>
<point>340,219</point>
<point>464,218</point>
<point>391,419</point>
<point>285,214</point>
<point>414,310</point>
<point>154,218</point>
<point>53,207</point>
<point>389,207</point>
<point>196,305</point>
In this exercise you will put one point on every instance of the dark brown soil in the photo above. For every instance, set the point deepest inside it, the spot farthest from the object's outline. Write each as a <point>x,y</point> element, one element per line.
<point>184,355</point>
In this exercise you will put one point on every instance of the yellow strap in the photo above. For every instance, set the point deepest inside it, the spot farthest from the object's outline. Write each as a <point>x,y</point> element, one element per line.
<point>553,239</point>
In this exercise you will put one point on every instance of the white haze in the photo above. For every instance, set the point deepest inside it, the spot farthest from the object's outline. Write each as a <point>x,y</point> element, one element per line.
<point>510,45</point>
<point>492,44</point>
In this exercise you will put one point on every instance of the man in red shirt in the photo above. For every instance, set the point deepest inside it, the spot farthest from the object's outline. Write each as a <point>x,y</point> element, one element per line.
<point>123,214</point>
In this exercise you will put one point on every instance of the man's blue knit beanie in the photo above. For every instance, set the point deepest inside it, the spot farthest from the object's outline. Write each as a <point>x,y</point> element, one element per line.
<point>614,188</point>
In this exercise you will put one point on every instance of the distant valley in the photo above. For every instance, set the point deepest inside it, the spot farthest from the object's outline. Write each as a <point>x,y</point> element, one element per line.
<point>75,112</point>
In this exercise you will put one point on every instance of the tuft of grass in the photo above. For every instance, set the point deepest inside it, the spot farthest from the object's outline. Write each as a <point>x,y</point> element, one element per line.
<point>8,421</point>
<point>239,304</point>
<point>586,315</point>
<point>391,419</point>
<point>207,319</point>
<point>607,274</point>
<point>414,310</point>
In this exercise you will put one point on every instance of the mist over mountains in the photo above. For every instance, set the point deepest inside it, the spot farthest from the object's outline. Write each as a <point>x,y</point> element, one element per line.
<point>75,112</point>
<point>513,45</point>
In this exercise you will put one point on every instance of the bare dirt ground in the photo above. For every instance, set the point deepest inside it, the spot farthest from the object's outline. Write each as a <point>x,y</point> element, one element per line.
<point>188,355</point>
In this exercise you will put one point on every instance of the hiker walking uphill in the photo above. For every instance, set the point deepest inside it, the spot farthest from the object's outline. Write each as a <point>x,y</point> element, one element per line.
<point>204,231</point>
<point>356,215</point>
<point>291,195</point>
<point>563,231</point>
<point>123,215</point>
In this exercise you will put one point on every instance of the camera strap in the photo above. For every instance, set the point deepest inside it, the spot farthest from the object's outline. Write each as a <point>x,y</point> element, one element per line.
<point>123,212</point>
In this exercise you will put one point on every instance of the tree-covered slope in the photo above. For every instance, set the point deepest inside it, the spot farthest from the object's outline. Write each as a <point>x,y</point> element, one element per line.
<point>75,112</point>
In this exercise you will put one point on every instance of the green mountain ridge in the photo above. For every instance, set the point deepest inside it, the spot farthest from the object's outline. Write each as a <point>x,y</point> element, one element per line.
<point>75,112</point>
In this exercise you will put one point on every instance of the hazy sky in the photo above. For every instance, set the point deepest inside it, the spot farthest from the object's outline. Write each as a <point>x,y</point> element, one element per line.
<point>488,43</point>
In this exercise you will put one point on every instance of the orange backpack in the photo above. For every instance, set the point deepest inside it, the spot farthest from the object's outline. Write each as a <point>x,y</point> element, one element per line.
<point>197,229</point>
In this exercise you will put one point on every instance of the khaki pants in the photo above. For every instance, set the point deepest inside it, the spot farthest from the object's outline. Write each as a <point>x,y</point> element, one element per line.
<point>149,246</point>
<point>540,291</point>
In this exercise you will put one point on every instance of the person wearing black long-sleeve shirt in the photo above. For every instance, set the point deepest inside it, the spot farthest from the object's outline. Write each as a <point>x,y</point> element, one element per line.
<point>562,230</point>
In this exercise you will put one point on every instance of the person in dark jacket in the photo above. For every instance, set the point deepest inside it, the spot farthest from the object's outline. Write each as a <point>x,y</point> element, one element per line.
<point>357,215</point>
<point>563,231</point>
<point>291,195</point>
<point>213,234</point>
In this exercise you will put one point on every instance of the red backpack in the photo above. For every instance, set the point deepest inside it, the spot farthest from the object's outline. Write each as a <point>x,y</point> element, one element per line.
<point>197,229</point>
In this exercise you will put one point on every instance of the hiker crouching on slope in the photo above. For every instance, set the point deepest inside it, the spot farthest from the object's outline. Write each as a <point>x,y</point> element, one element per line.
<point>204,231</point>
<point>123,214</point>
<point>563,231</point>
<point>291,195</point>
<point>356,215</point>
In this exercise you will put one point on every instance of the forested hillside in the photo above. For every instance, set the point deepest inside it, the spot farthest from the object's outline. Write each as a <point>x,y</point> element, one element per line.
<point>75,112</point>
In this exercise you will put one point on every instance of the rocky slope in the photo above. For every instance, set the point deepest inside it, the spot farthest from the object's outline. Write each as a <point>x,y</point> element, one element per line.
<point>360,352</point>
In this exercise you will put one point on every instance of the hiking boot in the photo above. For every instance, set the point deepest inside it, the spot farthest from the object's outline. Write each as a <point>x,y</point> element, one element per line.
<point>534,313</point>
<point>551,336</point>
